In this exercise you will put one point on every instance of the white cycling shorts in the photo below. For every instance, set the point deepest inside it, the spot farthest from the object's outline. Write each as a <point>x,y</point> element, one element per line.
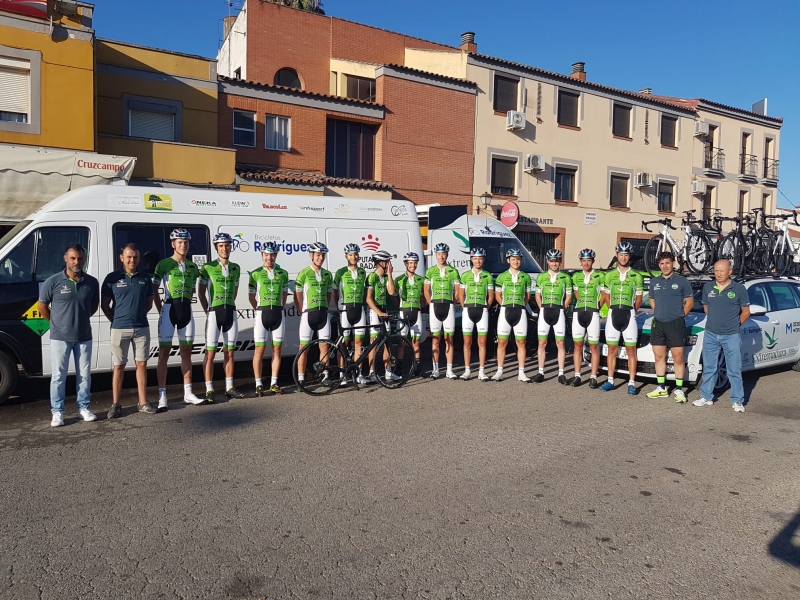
<point>629,334</point>
<point>374,320</point>
<point>559,324</point>
<point>520,328</point>
<point>447,320</point>
<point>591,332</point>
<point>166,330</point>
<point>214,331</point>
<point>262,335</point>
<point>468,325</point>
<point>322,326</point>
<point>344,321</point>
<point>416,328</point>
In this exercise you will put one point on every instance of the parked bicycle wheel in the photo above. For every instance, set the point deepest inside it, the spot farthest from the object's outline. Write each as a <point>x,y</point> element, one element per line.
<point>699,254</point>
<point>760,258</point>
<point>780,253</point>
<point>321,372</point>
<point>399,366</point>
<point>733,249</point>
<point>652,249</point>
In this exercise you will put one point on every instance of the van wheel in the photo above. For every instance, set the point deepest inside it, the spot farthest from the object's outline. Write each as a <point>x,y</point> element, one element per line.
<point>8,376</point>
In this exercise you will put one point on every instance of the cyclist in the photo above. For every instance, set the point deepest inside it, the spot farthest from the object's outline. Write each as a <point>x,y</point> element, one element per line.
<point>512,291</point>
<point>622,291</point>
<point>441,281</point>
<point>220,279</point>
<point>409,288</point>
<point>476,295</point>
<point>313,293</point>
<point>179,277</point>
<point>268,287</point>
<point>553,296</point>
<point>379,285</point>
<point>587,286</point>
<point>349,290</point>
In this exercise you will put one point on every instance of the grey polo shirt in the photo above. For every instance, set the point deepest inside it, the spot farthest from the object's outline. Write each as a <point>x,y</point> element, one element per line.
<point>669,295</point>
<point>71,303</point>
<point>130,294</point>
<point>724,307</point>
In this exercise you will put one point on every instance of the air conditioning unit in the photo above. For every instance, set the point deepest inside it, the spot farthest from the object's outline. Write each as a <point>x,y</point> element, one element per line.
<point>700,128</point>
<point>515,120</point>
<point>699,188</point>
<point>643,180</point>
<point>534,163</point>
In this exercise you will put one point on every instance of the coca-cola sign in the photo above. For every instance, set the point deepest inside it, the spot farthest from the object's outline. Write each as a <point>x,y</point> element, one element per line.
<point>509,214</point>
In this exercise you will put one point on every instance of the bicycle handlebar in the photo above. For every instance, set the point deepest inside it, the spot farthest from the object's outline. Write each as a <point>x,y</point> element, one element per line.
<point>667,222</point>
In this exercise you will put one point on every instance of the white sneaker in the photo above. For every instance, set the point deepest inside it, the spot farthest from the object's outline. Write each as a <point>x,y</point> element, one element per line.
<point>361,380</point>
<point>738,407</point>
<point>702,402</point>
<point>451,375</point>
<point>87,415</point>
<point>162,404</point>
<point>482,377</point>
<point>190,398</point>
<point>58,419</point>
<point>371,379</point>
<point>498,376</point>
<point>465,375</point>
<point>392,376</point>
<point>523,377</point>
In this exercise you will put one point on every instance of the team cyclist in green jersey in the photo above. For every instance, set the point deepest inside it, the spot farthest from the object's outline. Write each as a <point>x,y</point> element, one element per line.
<point>268,287</point>
<point>553,297</point>
<point>476,295</point>
<point>219,279</point>
<point>349,294</point>
<point>313,293</point>
<point>512,291</point>
<point>408,287</point>
<point>380,286</point>
<point>587,285</point>
<point>441,282</point>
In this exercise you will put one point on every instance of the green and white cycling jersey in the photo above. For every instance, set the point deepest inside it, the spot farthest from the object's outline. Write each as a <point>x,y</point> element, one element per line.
<point>588,289</point>
<point>268,286</point>
<point>513,286</point>
<point>315,287</point>
<point>179,280</point>
<point>443,282</point>
<point>476,287</point>
<point>222,282</point>
<point>623,287</point>
<point>553,288</point>
<point>351,285</point>
<point>409,289</point>
<point>377,284</point>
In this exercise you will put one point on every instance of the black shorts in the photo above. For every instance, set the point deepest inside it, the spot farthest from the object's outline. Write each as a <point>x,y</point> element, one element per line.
<point>671,334</point>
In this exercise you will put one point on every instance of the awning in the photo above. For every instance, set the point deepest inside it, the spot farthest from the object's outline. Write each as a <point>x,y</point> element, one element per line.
<point>30,177</point>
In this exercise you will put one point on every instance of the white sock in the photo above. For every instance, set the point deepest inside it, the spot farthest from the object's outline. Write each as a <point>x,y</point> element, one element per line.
<point>467,370</point>
<point>301,377</point>
<point>631,382</point>
<point>273,381</point>
<point>371,372</point>
<point>209,386</point>
<point>541,371</point>
<point>436,367</point>
<point>162,392</point>
<point>187,389</point>
<point>449,367</point>
<point>522,371</point>
<point>480,371</point>
<point>560,372</point>
<point>611,380</point>
<point>258,382</point>
<point>500,370</point>
<point>578,375</point>
<point>228,383</point>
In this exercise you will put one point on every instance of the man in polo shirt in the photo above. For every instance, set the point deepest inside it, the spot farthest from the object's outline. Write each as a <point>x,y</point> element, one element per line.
<point>68,300</point>
<point>671,298</point>
<point>126,298</point>
<point>728,306</point>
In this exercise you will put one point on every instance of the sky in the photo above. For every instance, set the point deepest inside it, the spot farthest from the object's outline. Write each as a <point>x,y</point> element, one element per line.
<point>735,52</point>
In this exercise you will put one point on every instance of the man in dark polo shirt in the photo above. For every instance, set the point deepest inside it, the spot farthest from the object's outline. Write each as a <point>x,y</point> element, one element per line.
<point>68,300</point>
<point>728,306</point>
<point>671,299</point>
<point>127,297</point>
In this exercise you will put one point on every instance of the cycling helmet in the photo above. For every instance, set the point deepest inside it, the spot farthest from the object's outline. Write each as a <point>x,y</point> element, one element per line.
<point>411,256</point>
<point>554,254</point>
<point>586,253</point>
<point>441,247</point>
<point>351,248</point>
<point>514,252</point>
<point>624,248</point>
<point>269,248</point>
<point>317,247</point>
<point>222,238</point>
<point>180,234</point>
<point>480,252</point>
<point>381,256</point>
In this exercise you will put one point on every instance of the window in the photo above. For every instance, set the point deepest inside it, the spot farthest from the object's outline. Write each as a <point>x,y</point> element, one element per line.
<point>277,133</point>
<point>361,88</point>
<point>153,242</point>
<point>622,121</point>
<point>759,295</point>
<point>496,249</point>
<point>567,108</point>
<point>565,184</point>
<point>669,126</point>
<point>41,254</point>
<point>765,198</point>
<point>152,125</point>
<point>350,150</point>
<point>537,244</point>
<point>743,204</point>
<point>288,78</point>
<point>666,191</point>
<point>505,93</point>
<point>708,205</point>
<point>783,296</point>
<point>503,176</point>
<point>619,191</point>
<point>15,90</point>
<point>152,118</point>
<point>244,128</point>
<point>17,267</point>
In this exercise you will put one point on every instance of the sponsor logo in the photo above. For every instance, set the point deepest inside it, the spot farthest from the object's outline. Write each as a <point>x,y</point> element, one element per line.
<point>464,249</point>
<point>240,203</point>
<point>712,294</point>
<point>239,243</point>
<point>65,289</point>
<point>342,209</point>
<point>750,330</point>
<point>203,204</point>
<point>772,340</point>
<point>731,294</point>
<point>312,208</point>
<point>83,164</point>
<point>370,243</point>
<point>370,209</point>
<point>674,286</point>
<point>488,232</point>
<point>399,211</point>
<point>34,320</point>
<point>118,200</point>
<point>767,356</point>
<point>793,327</point>
<point>274,206</point>
<point>158,202</point>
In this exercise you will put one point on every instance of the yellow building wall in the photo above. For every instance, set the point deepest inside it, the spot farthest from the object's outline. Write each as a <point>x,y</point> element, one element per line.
<point>260,189</point>
<point>152,59</point>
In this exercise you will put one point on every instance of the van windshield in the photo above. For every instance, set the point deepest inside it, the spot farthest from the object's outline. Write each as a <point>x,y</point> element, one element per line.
<point>14,231</point>
<point>496,249</point>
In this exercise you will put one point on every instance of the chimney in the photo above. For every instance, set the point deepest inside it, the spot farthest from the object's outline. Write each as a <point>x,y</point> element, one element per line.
<point>578,71</point>
<point>468,42</point>
<point>646,91</point>
<point>227,24</point>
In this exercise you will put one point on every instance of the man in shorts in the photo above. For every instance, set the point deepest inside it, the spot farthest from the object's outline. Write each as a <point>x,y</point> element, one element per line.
<point>349,294</point>
<point>179,277</point>
<point>553,296</point>
<point>268,288</point>
<point>126,297</point>
<point>441,281</point>
<point>622,290</point>
<point>220,280</point>
<point>512,291</point>
<point>476,295</point>
<point>380,285</point>
<point>671,298</point>
<point>587,287</point>
<point>313,293</point>
<point>409,287</point>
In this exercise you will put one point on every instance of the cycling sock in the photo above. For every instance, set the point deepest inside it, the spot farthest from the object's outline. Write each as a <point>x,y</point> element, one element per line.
<point>273,381</point>
<point>449,368</point>
<point>162,392</point>
<point>259,382</point>
<point>187,389</point>
<point>500,370</point>
<point>631,382</point>
<point>467,370</point>
<point>661,380</point>
<point>228,383</point>
<point>611,380</point>
<point>560,372</point>
<point>480,372</point>
<point>301,377</point>
<point>541,371</point>
<point>679,383</point>
<point>522,371</point>
<point>209,386</point>
<point>435,367</point>
<point>577,374</point>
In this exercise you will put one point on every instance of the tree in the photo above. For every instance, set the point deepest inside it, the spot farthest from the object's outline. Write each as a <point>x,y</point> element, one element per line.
<point>314,6</point>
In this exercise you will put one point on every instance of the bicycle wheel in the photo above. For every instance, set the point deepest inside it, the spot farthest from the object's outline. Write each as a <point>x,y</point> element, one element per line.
<point>780,253</point>
<point>321,371</point>
<point>699,255</point>
<point>732,249</point>
<point>651,251</point>
<point>394,361</point>
<point>761,259</point>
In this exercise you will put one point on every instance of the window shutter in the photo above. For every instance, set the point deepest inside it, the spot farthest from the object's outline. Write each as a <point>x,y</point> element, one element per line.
<point>622,120</point>
<point>152,125</point>
<point>668,131</point>
<point>505,94</point>
<point>14,90</point>
<point>567,108</point>
<point>504,173</point>
<point>619,191</point>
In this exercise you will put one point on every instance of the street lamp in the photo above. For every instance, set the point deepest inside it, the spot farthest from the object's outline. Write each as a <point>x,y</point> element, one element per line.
<point>486,198</point>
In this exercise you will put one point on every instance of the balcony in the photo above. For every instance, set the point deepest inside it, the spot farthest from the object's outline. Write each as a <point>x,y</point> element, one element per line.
<point>748,167</point>
<point>714,162</point>
<point>771,171</point>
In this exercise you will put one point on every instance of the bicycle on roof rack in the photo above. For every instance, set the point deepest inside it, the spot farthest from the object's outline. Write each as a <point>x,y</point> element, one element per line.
<point>783,252</point>
<point>694,252</point>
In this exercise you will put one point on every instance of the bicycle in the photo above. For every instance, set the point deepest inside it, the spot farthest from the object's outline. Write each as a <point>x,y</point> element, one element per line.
<point>324,370</point>
<point>694,253</point>
<point>783,251</point>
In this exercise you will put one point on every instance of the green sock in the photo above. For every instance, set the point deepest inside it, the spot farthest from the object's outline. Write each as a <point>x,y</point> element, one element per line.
<point>679,383</point>
<point>661,380</point>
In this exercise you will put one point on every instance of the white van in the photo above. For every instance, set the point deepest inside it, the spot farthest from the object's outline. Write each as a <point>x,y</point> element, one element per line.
<point>105,218</point>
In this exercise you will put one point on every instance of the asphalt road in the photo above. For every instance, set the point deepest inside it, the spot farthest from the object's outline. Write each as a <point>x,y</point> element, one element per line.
<point>438,490</point>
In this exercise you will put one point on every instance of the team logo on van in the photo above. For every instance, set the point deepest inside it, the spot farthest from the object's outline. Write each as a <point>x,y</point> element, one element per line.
<point>312,208</point>
<point>203,204</point>
<point>399,211</point>
<point>464,241</point>
<point>239,243</point>
<point>342,209</point>
<point>772,340</point>
<point>240,203</point>
<point>158,202</point>
<point>370,243</point>
<point>274,206</point>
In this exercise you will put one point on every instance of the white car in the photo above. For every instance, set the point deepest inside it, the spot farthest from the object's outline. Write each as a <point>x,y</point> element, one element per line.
<point>771,336</point>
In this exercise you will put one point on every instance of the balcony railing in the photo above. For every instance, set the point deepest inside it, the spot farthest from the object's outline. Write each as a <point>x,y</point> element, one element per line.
<point>714,163</point>
<point>771,169</point>
<point>748,166</point>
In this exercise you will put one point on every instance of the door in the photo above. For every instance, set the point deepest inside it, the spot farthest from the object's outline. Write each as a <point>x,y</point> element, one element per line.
<point>755,344</point>
<point>784,334</point>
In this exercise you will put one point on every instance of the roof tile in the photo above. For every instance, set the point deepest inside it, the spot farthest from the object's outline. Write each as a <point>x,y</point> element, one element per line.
<point>296,91</point>
<point>305,177</point>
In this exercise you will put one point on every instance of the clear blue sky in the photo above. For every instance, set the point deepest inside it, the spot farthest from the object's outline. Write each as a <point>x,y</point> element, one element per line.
<point>734,52</point>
